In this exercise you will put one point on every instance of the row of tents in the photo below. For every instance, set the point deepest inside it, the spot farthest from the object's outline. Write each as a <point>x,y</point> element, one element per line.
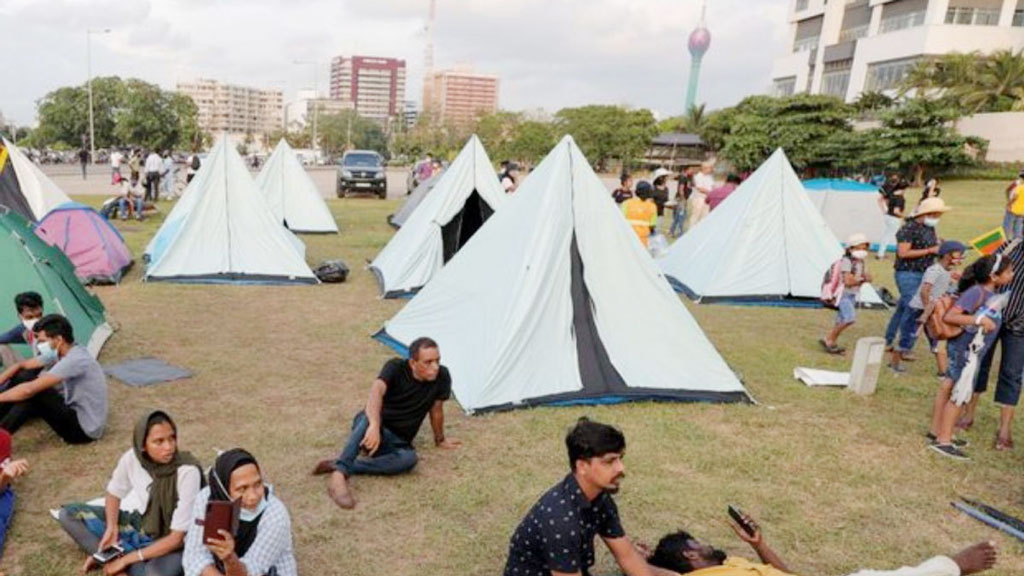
<point>555,301</point>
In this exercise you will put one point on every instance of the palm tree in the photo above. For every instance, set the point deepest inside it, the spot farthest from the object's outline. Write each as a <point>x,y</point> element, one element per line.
<point>695,118</point>
<point>998,86</point>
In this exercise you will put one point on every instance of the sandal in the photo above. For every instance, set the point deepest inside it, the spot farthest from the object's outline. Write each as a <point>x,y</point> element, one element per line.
<point>965,424</point>
<point>831,348</point>
<point>1003,445</point>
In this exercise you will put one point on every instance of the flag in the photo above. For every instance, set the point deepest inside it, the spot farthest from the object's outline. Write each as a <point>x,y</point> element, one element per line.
<point>990,242</point>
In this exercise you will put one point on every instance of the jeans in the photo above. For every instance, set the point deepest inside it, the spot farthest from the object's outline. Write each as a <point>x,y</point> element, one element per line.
<point>892,226</point>
<point>6,513</point>
<point>167,565</point>
<point>678,219</point>
<point>1013,225</point>
<point>908,329</point>
<point>907,283</point>
<point>153,186</point>
<point>393,456</point>
<point>122,207</point>
<point>1011,367</point>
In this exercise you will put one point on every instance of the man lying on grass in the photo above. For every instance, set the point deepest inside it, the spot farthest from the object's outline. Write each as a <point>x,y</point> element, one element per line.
<point>557,536</point>
<point>381,438</point>
<point>681,553</point>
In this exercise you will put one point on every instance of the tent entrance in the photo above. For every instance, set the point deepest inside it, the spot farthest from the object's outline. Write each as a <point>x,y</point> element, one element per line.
<point>597,374</point>
<point>461,228</point>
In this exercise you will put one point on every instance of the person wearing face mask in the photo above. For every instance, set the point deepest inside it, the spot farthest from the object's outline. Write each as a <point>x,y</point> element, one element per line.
<point>855,274</point>
<point>681,553</point>
<point>262,546</point>
<point>29,306</point>
<point>917,246</point>
<point>557,535</point>
<point>148,507</point>
<point>70,395</point>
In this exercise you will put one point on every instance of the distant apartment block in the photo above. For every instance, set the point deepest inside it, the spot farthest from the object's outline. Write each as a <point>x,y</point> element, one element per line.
<point>234,109</point>
<point>845,47</point>
<point>375,86</point>
<point>299,113</point>
<point>459,96</point>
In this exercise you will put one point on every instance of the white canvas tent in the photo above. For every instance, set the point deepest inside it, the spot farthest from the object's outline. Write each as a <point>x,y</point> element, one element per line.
<point>766,243</point>
<point>223,231</point>
<point>461,202</point>
<point>849,207</point>
<point>291,194</point>
<point>413,201</point>
<point>557,302</point>
<point>38,193</point>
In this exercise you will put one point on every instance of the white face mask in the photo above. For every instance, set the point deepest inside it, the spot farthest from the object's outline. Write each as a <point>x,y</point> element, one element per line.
<point>859,254</point>
<point>28,324</point>
<point>247,515</point>
<point>931,222</point>
<point>47,353</point>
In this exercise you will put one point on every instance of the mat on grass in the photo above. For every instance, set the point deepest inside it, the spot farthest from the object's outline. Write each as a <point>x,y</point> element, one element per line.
<point>146,371</point>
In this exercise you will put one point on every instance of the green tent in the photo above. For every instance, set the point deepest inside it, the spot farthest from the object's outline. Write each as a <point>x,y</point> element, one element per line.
<point>29,264</point>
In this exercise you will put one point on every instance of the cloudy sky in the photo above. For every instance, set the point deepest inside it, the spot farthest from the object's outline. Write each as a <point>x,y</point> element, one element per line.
<point>548,53</point>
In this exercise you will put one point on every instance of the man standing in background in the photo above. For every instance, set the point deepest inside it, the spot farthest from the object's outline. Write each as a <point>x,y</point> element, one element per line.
<point>154,164</point>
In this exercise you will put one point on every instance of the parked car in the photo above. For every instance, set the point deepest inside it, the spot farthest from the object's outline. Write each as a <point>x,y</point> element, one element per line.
<point>362,171</point>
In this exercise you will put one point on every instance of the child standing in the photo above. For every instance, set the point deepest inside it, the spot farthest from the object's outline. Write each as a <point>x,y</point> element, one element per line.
<point>974,311</point>
<point>855,275</point>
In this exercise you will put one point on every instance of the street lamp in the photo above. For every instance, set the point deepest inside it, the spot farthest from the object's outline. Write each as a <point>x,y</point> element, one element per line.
<point>88,66</point>
<point>316,98</point>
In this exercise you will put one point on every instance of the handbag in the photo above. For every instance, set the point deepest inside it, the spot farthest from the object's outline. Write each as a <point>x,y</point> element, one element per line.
<point>935,324</point>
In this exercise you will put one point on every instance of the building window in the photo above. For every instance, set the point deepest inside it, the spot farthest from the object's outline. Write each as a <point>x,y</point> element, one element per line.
<point>835,83</point>
<point>902,21</point>
<point>888,75</point>
<point>855,33</point>
<point>783,87</point>
<point>801,5</point>
<point>1018,18</point>
<point>806,44</point>
<point>970,16</point>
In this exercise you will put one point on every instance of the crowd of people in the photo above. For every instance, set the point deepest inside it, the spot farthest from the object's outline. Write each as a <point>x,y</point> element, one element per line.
<point>140,178</point>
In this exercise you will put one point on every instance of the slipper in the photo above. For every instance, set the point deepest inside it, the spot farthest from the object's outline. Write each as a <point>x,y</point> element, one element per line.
<point>831,348</point>
<point>1003,445</point>
<point>965,424</point>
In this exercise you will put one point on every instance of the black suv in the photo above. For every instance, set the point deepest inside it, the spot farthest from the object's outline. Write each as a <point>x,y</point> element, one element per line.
<point>362,171</point>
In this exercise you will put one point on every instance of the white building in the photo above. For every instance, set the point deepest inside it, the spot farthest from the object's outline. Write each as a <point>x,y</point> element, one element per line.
<point>234,109</point>
<point>845,47</point>
<point>299,112</point>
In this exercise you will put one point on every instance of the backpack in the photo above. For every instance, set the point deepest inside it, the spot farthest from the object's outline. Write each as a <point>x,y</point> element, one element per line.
<point>195,162</point>
<point>832,284</point>
<point>331,271</point>
<point>935,324</point>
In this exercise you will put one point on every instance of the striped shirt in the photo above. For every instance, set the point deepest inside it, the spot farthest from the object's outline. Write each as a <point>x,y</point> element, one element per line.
<point>1013,314</point>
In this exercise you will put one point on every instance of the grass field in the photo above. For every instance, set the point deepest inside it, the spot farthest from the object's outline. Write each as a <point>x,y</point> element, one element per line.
<point>839,482</point>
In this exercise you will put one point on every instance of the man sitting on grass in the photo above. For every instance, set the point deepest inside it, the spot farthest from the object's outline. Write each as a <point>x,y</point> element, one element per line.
<point>381,438</point>
<point>78,412</point>
<point>29,306</point>
<point>683,554</point>
<point>557,536</point>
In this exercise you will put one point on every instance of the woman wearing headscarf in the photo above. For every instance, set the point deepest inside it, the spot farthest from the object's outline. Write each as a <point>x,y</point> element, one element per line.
<point>262,546</point>
<point>149,503</point>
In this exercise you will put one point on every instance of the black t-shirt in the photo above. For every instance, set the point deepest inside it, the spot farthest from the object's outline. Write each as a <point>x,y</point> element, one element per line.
<point>621,195</point>
<point>407,401</point>
<point>919,237</point>
<point>896,202</point>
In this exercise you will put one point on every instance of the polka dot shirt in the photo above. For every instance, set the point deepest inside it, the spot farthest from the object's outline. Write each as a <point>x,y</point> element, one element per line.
<point>558,533</point>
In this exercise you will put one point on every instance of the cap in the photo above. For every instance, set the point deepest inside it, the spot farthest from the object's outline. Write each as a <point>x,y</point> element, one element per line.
<point>857,239</point>
<point>660,172</point>
<point>950,246</point>
<point>931,206</point>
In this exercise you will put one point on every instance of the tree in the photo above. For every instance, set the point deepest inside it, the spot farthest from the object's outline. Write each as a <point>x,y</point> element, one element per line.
<point>531,142</point>
<point>973,81</point>
<point>497,130</point>
<point>348,130</point>
<point>692,122</point>
<point>607,132</point>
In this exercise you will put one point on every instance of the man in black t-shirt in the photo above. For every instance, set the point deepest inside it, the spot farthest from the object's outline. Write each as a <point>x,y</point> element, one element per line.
<point>381,439</point>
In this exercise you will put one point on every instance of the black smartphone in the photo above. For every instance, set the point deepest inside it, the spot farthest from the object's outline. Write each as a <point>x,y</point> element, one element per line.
<point>736,515</point>
<point>108,555</point>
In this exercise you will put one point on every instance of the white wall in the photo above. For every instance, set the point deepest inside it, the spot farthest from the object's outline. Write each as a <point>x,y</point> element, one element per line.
<point>1003,130</point>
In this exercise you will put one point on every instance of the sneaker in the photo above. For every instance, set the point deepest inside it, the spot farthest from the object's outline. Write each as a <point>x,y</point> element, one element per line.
<point>897,368</point>
<point>958,442</point>
<point>949,451</point>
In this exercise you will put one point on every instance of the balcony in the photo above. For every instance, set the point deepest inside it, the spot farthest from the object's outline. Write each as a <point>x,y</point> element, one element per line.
<point>902,22</point>
<point>970,16</point>
<point>855,33</point>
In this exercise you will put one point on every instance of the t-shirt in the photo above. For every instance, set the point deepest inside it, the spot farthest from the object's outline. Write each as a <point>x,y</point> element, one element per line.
<point>735,566</point>
<point>851,266</point>
<point>971,301</point>
<point>85,389</point>
<point>941,281</point>
<point>660,198</point>
<point>896,204</point>
<point>919,237</point>
<point>621,195</point>
<point>718,195</point>
<point>407,400</point>
<point>703,183</point>
<point>130,483</point>
<point>558,532</point>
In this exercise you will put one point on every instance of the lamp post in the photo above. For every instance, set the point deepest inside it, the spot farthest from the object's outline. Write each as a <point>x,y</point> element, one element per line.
<point>316,98</point>
<point>88,67</point>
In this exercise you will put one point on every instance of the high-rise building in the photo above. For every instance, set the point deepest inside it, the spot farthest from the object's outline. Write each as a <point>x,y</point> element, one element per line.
<point>375,86</point>
<point>299,112</point>
<point>846,47</point>
<point>459,96</point>
<point>410,114</point>
<point>234,109</point>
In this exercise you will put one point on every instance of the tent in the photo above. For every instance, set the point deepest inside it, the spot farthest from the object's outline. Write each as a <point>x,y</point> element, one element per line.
<point>556,302</point>
<point>463,199</point>
<point>399,218</point>
<point>93,245</point>
<point>29,264</point>
<point>849,207</point>
<point>765,244</point>
<point>23,186</point>
<point>222,231</point>
<point>291,194</point>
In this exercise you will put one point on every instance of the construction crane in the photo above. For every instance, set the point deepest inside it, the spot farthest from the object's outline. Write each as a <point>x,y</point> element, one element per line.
<point>428,58</point>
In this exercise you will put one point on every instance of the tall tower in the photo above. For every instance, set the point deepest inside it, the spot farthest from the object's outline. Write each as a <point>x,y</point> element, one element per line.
<point>700,41</point>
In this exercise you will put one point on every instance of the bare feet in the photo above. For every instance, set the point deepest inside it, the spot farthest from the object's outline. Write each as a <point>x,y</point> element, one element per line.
<point>324,467</point>
<point>977,558</point>
<point>339,491</point>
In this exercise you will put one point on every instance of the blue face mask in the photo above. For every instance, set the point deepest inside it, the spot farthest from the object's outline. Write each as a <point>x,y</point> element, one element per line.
<point>250,515</point>
<point>47,353</point>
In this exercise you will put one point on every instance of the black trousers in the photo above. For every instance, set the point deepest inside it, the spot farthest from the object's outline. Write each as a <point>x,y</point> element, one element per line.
<point>48,405</point>
<point>152,186</point>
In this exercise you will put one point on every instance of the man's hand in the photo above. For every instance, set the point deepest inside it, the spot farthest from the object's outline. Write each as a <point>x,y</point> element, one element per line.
<point>448,443</point>
<point>755,540</point>
<point>224,548</point>
<point>371,440</point>
<point>14,469</point>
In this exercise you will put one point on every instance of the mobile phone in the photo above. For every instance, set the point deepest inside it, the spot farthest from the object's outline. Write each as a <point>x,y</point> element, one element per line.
<point>108,554</point>
<point>738,516</point>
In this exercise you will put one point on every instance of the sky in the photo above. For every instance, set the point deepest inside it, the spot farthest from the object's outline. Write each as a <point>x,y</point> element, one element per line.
<point>549,54</point>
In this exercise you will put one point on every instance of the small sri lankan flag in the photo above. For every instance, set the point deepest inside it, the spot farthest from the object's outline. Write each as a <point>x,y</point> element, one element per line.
<point>990,242</point>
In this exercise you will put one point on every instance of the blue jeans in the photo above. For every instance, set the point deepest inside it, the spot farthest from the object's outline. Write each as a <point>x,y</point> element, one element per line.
<point>1011,367</point>
<point>6,513</point>
<point>122,207</point>
<point>678,219</point>
<point>908,330</point>
<point>1013,225</point>
<point>393,456</point>
<point>907,283</point>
